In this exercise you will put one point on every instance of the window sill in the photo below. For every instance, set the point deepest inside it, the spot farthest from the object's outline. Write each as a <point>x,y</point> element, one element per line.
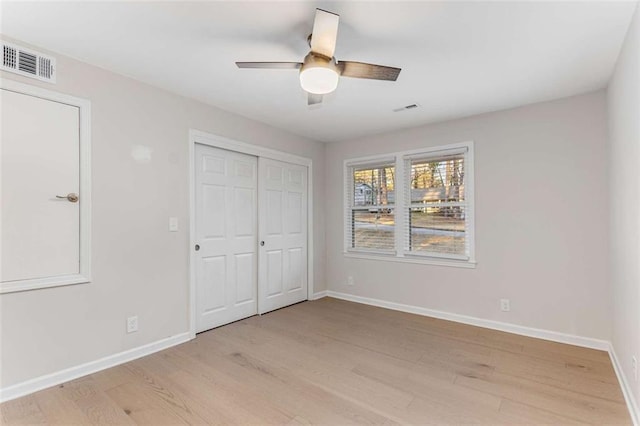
<point>468,264</point>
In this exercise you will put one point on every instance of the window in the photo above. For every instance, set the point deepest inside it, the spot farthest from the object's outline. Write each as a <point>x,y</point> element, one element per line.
<point>435,206</point>
<point>370,217</point>
<point>429,219</point>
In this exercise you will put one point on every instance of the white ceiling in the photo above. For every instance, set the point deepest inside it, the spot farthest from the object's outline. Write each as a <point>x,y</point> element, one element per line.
<point>457,58</point>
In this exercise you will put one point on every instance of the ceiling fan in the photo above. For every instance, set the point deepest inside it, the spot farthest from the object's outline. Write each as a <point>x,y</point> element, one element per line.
<point>320,71</point>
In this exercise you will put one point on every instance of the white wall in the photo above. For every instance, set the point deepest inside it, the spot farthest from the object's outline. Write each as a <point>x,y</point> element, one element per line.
<point>541,220</point>
<point>623,96</point>
<point>138,266</point>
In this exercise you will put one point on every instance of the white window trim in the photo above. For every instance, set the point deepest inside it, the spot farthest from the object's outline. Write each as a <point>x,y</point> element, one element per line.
<point>84,107</point>
<point>399,255</point>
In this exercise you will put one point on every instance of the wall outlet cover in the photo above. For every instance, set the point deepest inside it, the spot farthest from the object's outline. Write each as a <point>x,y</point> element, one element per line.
<point>132,324</point>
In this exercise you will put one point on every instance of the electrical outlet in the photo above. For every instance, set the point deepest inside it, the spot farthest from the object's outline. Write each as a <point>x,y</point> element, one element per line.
<point>173,224</point>
<point>132,324</point>
<point>505,305</point>
<point>350,280</point>
<point>634,367</point>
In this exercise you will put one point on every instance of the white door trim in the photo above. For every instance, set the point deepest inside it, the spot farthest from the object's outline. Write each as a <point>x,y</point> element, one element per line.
<point>84,106</point>
<point>198,136</point>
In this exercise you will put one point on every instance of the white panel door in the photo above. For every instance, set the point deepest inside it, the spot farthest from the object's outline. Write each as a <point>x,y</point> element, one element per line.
<point>283,234</point>
<point>39,160</point>
<point>226,234</point>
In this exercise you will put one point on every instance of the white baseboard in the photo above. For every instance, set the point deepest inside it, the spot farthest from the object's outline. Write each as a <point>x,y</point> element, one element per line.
<point>46,381</point>
<point>626,389</point>
<point>319,295</point>
<point>554,336</point>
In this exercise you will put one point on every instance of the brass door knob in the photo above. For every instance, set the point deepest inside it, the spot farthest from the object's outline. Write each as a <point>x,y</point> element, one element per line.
<point>71,197</point>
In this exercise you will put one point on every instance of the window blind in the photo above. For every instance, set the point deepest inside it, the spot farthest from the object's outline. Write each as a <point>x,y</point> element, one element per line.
<point>370,201</point>
<point>435,205</point>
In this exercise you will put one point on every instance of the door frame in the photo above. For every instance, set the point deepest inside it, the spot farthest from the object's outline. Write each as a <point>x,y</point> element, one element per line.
<point>216,141</point>
<point>84,133</point>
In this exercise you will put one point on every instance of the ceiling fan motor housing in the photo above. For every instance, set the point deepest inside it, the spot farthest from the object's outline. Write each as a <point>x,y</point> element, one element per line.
<point>318,74</point>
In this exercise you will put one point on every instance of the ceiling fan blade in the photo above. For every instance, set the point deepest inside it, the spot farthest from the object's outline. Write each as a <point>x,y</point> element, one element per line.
<point>314,99</point>
<point>324,33</point>
<point>270,65</point>
<point>364,70</point>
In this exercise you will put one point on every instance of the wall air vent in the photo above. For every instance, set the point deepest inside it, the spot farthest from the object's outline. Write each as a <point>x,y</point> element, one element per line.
<point>28,63</point>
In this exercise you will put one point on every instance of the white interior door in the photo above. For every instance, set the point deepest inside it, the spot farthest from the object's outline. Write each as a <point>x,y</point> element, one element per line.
<point>283,230</point>
<point>226,233</point>
<point>39,160</point>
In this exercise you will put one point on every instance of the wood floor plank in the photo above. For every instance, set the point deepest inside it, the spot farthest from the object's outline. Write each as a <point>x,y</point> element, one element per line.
<point>21,411</point>
<point>186,401</point>
<point>556,373</point>
<point>58,409</point>
<point>527,414</point>
<point>336,362</point>
<point>561,401</point>
<point>101,410</point>
<point>327,371</point>
<point>310,402</point>
<point>112,377</point>
<point>143,408</point>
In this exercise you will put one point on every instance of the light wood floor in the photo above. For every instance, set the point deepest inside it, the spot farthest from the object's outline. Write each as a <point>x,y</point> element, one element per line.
<point>336,362</point>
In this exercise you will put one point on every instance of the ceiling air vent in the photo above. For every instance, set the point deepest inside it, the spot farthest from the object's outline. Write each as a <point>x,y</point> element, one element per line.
<point>406,107</point>
<point>28,63</point>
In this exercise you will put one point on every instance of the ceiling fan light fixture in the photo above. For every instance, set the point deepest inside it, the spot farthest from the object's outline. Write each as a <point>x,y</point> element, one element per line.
<point>319,75</point>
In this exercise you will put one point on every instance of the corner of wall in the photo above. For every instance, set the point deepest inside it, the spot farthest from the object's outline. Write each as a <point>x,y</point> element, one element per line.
<point>623,108</point>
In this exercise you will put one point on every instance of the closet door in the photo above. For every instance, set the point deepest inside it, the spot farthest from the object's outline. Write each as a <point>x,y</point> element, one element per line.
<point>226,236</point>
<point>282,267</point>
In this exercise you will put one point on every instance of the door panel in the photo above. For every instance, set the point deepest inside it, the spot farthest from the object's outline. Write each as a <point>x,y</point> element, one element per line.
<point>245,275</point>
<point>215,210</point>
<point>226,231</point>
<point>244,206</point>
<point>296,261</point>
<point>283,228</point>
<point>274,272</point>
<point>40,151</point>
<point>214,270</point>
<point>274,207</point>
<point>294,221</point>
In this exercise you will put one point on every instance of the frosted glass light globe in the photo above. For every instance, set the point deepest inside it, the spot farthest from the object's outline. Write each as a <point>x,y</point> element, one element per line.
<point>319,75</point>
